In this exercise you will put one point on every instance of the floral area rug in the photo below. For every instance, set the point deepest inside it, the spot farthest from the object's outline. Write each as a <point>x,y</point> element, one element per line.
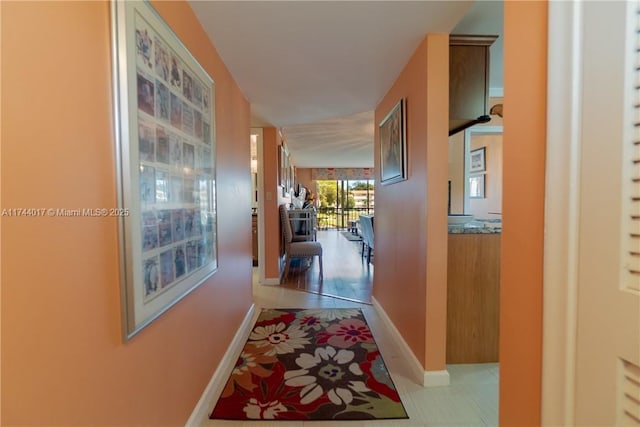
<point>310,365</point>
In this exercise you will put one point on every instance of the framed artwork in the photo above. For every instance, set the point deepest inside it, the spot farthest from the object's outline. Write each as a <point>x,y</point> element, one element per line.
<point>393,145</point>
<point>477,186</point>
<point>282,175</point>
<point>478,160</point>
<point>284,170</point>
<point>280,166</point>
<point>165,152</point>
<point>292,176</point>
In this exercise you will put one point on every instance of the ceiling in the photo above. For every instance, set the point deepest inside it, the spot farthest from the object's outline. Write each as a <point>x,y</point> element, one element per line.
<point>317,69</point>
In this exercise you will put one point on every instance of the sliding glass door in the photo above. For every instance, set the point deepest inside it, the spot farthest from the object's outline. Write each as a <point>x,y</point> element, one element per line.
<point>341,202</point>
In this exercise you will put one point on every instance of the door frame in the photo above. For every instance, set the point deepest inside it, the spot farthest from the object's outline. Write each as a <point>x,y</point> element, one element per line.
<point>560,288</point>
<point>565,105</point>
<point>261,203</point>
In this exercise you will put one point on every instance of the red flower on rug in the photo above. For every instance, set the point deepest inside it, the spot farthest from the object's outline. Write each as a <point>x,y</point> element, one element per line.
<point>309,365</point>
<point>346,333</point>
<point>312,322</point>
<point>378,378</point>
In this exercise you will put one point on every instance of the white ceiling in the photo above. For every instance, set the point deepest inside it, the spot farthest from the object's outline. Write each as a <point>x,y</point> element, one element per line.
<point>319,68</point>
<point>341,142</point>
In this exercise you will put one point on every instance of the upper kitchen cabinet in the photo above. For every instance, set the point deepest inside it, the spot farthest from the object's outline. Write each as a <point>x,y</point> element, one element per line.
<point>468,80</point>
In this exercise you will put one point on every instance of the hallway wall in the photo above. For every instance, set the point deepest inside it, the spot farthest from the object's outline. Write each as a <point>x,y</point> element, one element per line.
<point>303,176</point>
<point>273,198</point>
<point>410,280</point>
<point>524,145</point>
<point>63,359</point>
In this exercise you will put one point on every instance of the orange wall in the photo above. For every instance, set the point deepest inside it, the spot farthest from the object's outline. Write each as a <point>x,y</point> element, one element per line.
<point>525,70</point>
<point>411,229</point>
<point>303,176</point>
<point>63,359</point>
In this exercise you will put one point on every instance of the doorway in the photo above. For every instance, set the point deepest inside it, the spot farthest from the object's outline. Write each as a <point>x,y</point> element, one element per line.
<point>347,274</point>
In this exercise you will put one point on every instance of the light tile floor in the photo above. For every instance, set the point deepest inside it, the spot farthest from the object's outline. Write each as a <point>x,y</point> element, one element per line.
<point>470,400</point>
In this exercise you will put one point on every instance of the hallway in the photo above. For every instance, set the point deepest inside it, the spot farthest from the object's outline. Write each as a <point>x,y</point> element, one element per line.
<point>346,274</point>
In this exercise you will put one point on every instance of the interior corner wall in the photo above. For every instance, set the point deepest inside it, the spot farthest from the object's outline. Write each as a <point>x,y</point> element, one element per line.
<point>411,216</point>
<point>63,358</point>
<point>303,176</point>
<point>524,145</point>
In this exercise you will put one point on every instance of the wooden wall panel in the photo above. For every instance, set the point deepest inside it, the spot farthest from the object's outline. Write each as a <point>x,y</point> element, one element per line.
<point>473,298</point>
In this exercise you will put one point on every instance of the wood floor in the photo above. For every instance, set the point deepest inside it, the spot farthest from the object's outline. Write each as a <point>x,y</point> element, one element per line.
<point>346,274</point>
<point>470,400</point>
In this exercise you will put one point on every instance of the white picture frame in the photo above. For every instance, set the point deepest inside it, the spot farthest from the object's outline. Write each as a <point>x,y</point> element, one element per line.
<point>478,163</point>
<point>477,186</point>
<point>165,156</point>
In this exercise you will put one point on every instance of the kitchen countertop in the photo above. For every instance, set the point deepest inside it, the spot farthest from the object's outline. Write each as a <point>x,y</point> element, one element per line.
<point>478,226</point>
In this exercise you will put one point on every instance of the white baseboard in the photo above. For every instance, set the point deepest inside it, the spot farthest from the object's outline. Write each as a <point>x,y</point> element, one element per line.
<point>436,378</point>
<point>425,378</point>
<point>216,384</point>
<point>270,281</point>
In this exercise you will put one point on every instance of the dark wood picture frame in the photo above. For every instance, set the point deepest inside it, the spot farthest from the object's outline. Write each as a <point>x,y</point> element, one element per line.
<point>392,133</point>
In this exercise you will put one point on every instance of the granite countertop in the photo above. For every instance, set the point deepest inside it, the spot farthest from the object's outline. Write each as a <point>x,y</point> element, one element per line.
<point>478,226</point>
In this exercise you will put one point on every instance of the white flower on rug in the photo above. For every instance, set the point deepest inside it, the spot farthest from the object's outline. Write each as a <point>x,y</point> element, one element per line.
<point>279,340</point>
<point>327,371</point>
<point>333,314</point>
<point>263,411</point>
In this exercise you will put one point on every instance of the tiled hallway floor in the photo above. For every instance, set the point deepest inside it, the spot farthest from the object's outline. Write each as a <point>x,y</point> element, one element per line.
<point>470,400</point>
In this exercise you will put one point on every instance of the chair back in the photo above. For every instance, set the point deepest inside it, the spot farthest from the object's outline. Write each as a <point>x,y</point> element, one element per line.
<point>286,224</point>
<point>366,224</point>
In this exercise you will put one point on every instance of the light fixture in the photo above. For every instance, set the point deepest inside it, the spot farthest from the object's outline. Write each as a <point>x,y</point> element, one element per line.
<point>496,110</point>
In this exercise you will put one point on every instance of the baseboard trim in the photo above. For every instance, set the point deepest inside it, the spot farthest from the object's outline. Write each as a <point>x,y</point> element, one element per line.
<point>270,281</point>
<point>436,378</point>
<point>425,378</point>
<point>219,378</point>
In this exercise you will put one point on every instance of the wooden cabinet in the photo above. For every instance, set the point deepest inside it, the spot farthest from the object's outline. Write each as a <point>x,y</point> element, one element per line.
<point>468,80</point>
<point>254,237</point>
<point>473,298</point>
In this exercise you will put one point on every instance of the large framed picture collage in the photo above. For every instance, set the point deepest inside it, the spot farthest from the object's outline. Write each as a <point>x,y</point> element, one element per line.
<point>166,165</point>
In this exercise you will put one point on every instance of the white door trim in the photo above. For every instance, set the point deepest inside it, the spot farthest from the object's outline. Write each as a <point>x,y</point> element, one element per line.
<point>260,150</point>
<point>564,109</point>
